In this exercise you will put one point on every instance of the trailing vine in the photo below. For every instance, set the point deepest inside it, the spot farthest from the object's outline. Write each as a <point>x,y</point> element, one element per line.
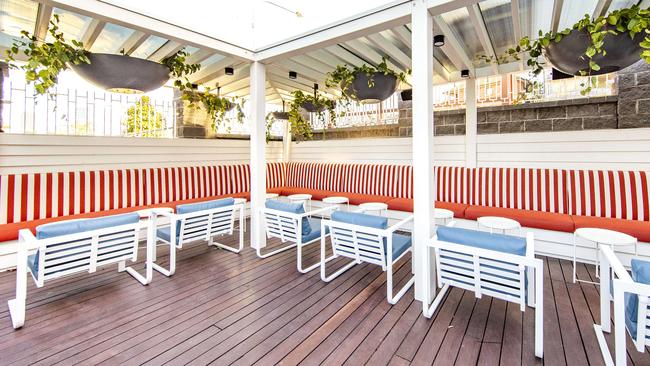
<point>46,60</point>
<point>343,76</point>
<point>299,126</point>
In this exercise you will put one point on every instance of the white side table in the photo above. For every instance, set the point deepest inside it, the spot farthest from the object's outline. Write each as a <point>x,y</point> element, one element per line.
<point>373,206</point>
<point>272,196</point>
<point>338,201</point>
<point>601,237</point>
<point>498,223</point>
<point>443,214</point>
<point>305,198</point>
<point>241,201</point>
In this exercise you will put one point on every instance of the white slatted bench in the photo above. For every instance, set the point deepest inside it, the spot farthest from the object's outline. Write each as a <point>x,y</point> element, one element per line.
<point>366,238</point>
<point>69,247</point>
<point>631,296</point>
<point>200,221</point>
<point>496,265</point>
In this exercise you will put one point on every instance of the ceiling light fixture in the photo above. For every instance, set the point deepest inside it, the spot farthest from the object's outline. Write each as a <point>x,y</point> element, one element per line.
<point>439,40</point>
<point>230,71</point>
<point>293,75</point>
<point>464,74</point>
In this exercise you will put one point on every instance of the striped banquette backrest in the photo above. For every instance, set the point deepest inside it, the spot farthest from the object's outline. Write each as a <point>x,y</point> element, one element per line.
<point>454,184</point>
<point>520,188</point>
<point>612,194</point>
<point>321,176</point>
<point>378,179</point>
<point>26,197</point>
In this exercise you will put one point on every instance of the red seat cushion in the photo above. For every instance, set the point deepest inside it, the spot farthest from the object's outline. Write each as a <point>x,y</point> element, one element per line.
<point>357,198</point>
<point>316,194</point>
<point>638,229</point>
<point>277,190</point>
<point>406,204</point>
<point>10,231</point>
<point>527,218</point>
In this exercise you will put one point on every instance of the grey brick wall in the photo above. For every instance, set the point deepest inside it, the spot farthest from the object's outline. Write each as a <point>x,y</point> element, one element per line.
<point>634,96</point>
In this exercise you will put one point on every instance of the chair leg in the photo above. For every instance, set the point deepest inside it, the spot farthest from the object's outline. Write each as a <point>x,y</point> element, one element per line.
<point>172,263</point>
<point>274,252</point>
<point>148,268</point>
<point>242,228</point>
<point>323,270</point>
<point>17,305</point>
<point>389,286</point>
<point>428,310</point>
<point>310,268</point>
<point>602,343</point>
<point>531,287</point>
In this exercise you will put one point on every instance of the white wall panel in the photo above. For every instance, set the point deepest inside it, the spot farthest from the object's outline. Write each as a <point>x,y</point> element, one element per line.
<point>39,153</point>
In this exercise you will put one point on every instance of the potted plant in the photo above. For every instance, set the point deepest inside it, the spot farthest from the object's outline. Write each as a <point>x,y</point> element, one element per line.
<point>365,83</point>
<point>281,115</point>
<point>298,124</point>
<point>215,106</point>
<point>591,47</point>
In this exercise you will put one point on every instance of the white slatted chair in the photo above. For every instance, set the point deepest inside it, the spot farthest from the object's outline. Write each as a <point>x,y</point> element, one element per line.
<point>366,238</point>
<point>495,265</point>
<point>631,296</point>
<point>69,247</point>
<point>200,221</point>
<point>291,224</point>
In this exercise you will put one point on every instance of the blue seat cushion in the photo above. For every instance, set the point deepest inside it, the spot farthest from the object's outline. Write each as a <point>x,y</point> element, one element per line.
<point>640,274</point>
<point>77,226</point>
<point>361,219</point>
<point>401,243</point>
<point>314,230</point>
<point>295,208</point>
<point>165,232</point>
<point>483,240</point>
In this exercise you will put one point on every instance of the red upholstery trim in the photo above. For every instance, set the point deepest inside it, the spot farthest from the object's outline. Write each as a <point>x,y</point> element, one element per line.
<point>527,218</point>
<point>357,198</point>
<point>638,229</point>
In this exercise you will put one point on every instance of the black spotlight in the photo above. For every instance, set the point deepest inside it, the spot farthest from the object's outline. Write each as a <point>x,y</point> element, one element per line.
<point>293,74</point>
<point>230,71</point>
<point>439,40</point>
<point>464,74</point>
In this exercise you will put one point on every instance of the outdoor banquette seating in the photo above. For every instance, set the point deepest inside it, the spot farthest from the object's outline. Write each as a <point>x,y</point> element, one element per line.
<point>366,238</point>
<point>201,221</point>
<point>630,295</point>
<point>496,265</point>
<point>289,222</point>
<point>73,246</point>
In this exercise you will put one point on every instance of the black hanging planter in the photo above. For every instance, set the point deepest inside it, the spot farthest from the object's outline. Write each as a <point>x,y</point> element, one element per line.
<point>123,74</point>
<point>407,94</point>
<point>311,108</point>
<point>384,86</point>
<point>280,115</point>
<point>568,55</point>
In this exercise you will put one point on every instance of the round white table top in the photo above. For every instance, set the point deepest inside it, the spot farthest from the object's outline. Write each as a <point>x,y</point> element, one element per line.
<point>498,223</point>
<point>373,206</point>
<point>271,195</point>
<point>604,236</point>
<point>443,214</point>
<point>299,197</point>
<point>336,200</point>
<point>239,200</point>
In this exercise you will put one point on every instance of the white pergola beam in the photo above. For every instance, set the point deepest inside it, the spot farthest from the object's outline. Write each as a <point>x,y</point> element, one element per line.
<point>167,50</point>
<point>601,8</point>
<point>110,13</point>
<point>92,31</point>
<point>345,55</point>
<point>132,43</point>
<point>516,25</point>
<point>326,57</point>
<point>304,71</point>
<point>242,71</point>
<point>257,149</point>
<point>212,71</point>
<point>424,189</point>
<point>471,126</point>
<point>199,56</point>
<point>557,13</point>
<point>387,47</point>
<point>361,48</point>
<point>476,18</point>
<point>452,47</point>
<point>43,16</point>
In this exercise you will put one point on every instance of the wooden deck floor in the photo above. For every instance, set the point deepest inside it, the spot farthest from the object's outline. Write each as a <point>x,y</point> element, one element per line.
<point>223,308</point>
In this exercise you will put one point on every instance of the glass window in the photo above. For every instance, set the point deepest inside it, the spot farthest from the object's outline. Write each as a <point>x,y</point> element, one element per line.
<point>72,25</point>
<point>111,39</point>
<point>15,16</point>
<point>573,11</point>
<point>498,21</point>
<point>148,47</point>
<point>459,22</point>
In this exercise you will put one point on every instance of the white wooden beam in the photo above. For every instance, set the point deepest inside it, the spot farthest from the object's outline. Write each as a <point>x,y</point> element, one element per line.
<point>345,55</point>
<point>453,48</point>
<point>258,148</point>
<point>403,34</point>
<point>304,71</point>
<point>327,57</point>
<point>168,49</point>
<point>212,71</point>
<point>471,121</point>
<point>199,56</point>
<point>235,85</point>
<point>390,50</point>
<point>42,23</point>
<point>312,63</point>
<point>280,72</point>
<point>361,48</point>
<point>557,13</point>
<point>423,183</point>
<point>601,8</point>
<point>241,72</point>
<point>132,43</point>
<point>481,31</point>
<point>111,13</point>
<point>516,25</point>
<point>92,31</point>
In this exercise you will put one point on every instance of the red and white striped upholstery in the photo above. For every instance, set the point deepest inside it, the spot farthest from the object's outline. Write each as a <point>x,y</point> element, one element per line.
<point>520,188</point>
<point>26,197</point>
<point>320,176</point>
<point>276,174</point>
<point>611,194</point>
<point>380,180</point>
<point>454,184</point>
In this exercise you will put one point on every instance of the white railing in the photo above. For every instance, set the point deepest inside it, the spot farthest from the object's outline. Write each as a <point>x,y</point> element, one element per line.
<point>356,115</point>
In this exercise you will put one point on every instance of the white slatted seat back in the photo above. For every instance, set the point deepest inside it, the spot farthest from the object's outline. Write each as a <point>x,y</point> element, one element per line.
<point>202,225</point>
<point>363,244</point>
<point>282,225</point>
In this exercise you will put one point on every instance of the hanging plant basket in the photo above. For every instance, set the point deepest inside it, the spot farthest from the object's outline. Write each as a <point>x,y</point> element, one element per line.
<point>359,90</point>
<point>229,106</point>
<point>123,74</point>
<point>280,115</point>
<point>568,55</point>
<point>312,108</point>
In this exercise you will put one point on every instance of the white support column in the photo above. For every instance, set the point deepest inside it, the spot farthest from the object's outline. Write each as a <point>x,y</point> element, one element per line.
<point>423,182</point>
<point>258,147</point>
<point>470,122</point>
<point>286,143</point>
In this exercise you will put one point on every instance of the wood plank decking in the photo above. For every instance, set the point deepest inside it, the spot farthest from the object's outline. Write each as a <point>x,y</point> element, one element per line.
<point>222,308</point>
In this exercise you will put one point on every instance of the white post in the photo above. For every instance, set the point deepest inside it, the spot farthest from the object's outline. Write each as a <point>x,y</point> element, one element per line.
<point>258,147</point>
<point>423,186</point>
<point>286,142</point>
<point>470,122</point>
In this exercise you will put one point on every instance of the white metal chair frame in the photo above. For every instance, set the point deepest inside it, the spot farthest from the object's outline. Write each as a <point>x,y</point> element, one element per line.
<point>611,268</point>
<point>351,241</point>
<point>287,227</point>
<point>200,225</point>
<point>504,272</point>
<point>78,252</point>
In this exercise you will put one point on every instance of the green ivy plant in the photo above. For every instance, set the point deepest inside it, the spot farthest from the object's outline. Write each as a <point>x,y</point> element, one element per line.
<point>344,75</point>
<point>215,106</point>
<point>299,126</point>
<point>632,20</point>
<point>179,69</point>
<point>46,60</point>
